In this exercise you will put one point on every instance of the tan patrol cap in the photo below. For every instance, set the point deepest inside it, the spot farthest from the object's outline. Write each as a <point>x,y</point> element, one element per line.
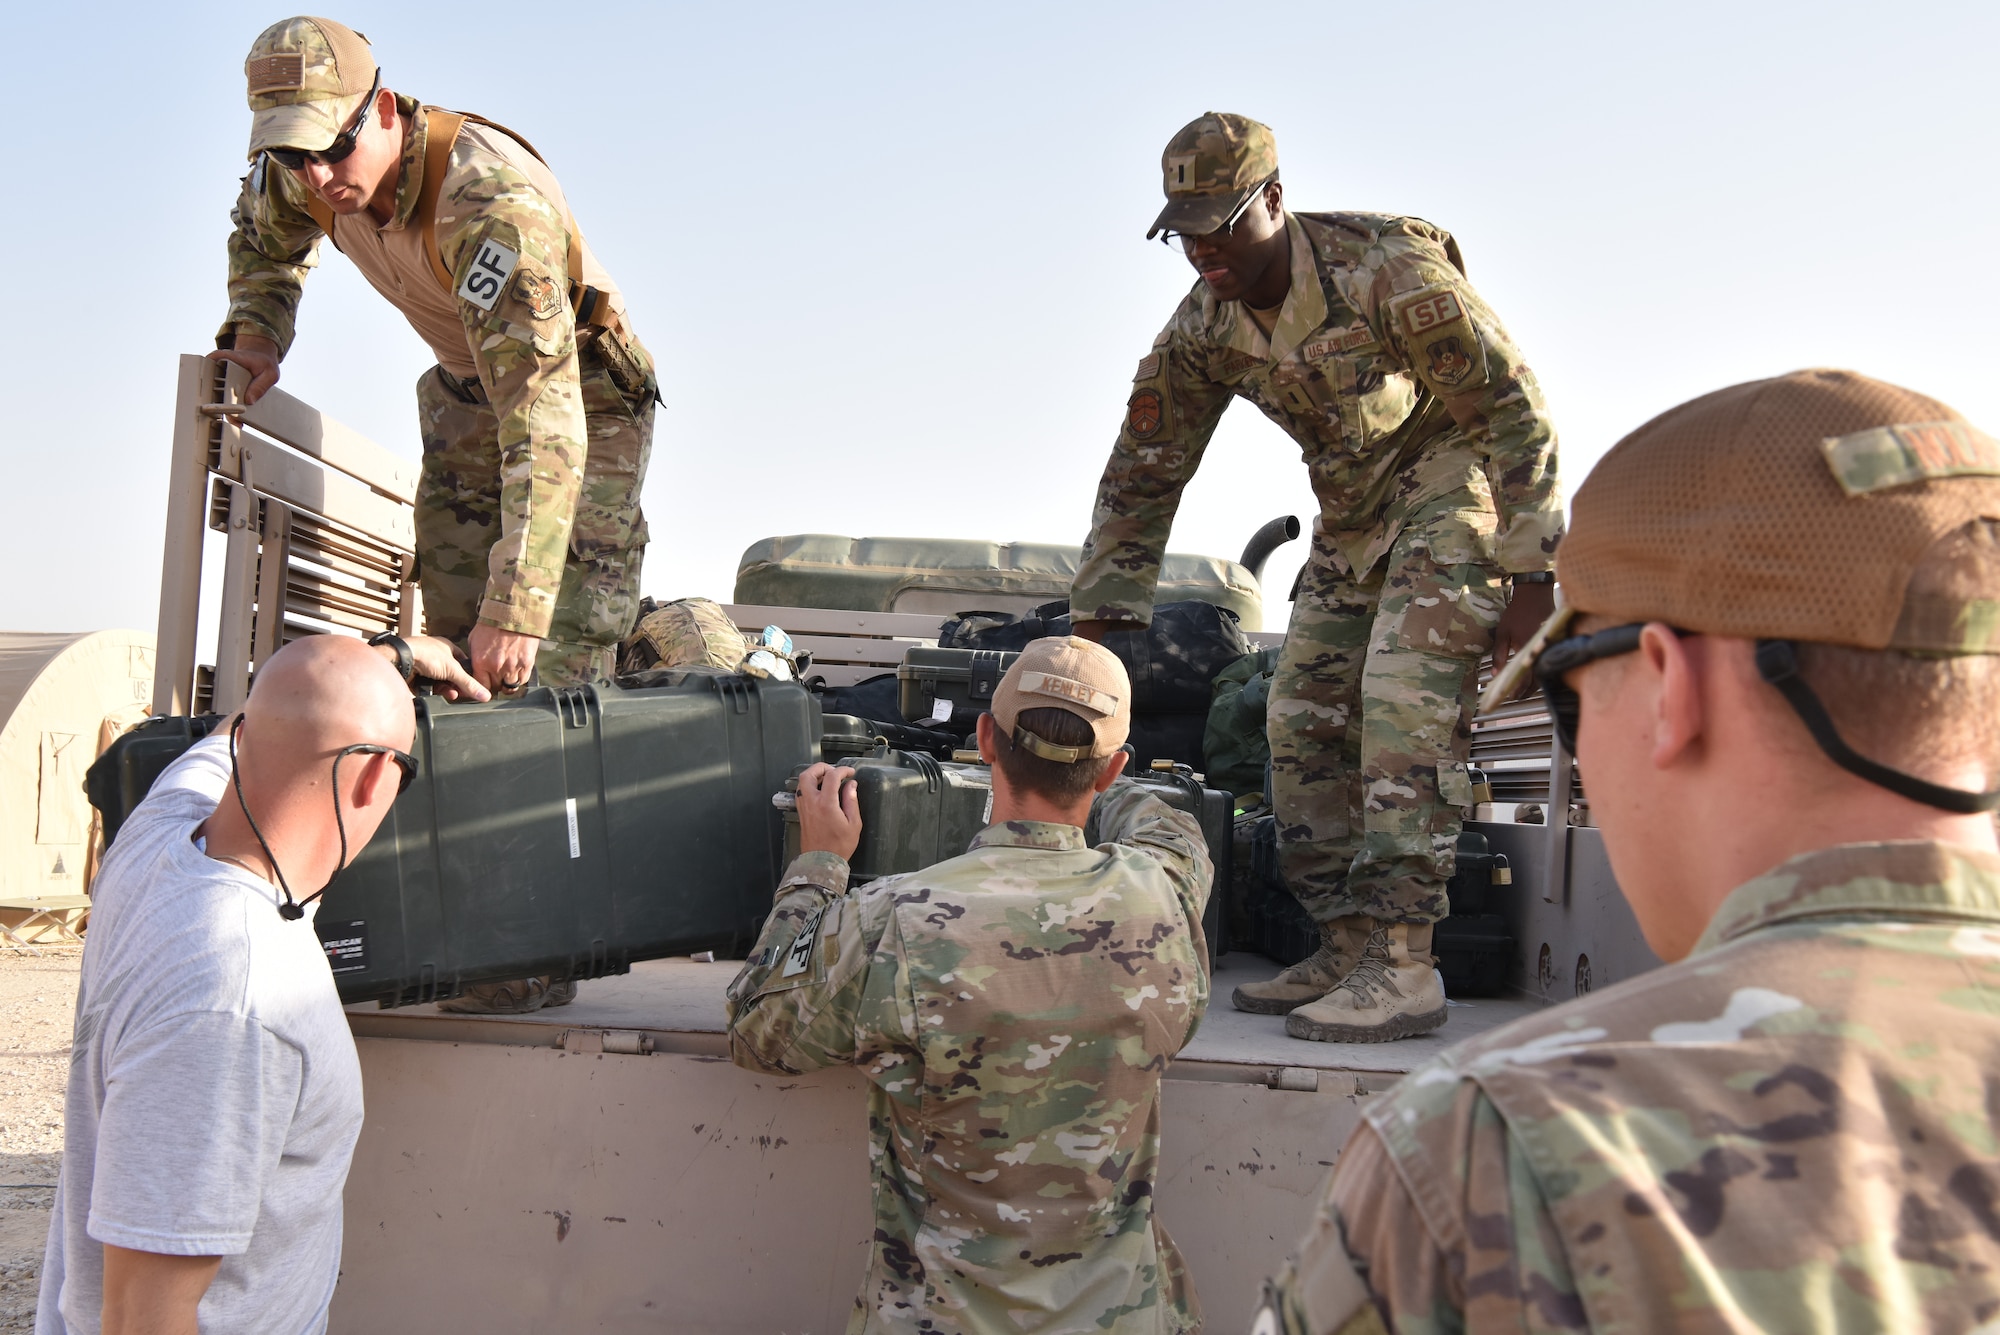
<point>1073,674</point>
<point>1820,506</point>
<point>306,76</point>
<point>1210,169</point>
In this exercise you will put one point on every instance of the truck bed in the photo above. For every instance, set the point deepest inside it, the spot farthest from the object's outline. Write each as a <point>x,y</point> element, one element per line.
<point>549,1171</point>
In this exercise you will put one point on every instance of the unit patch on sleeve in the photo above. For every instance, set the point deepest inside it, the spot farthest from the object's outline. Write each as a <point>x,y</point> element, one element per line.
<point>1446,361</point>
<point>539,293</point>
<point>1143,414</point>
<point>487,276</point>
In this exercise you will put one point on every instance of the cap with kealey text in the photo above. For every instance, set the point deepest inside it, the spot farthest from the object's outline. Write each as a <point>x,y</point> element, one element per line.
<point>306,76</point>
<point>1072,674</point>
<point>1209,170</point>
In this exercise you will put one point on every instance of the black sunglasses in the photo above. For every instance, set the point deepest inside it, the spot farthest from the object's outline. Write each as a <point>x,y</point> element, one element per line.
<point>296,158</point>
<point>403,758</point>
<point>1566,656</point>
<point>1228,228</point>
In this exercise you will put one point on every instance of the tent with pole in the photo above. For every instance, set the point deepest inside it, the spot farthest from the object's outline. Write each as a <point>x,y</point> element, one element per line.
<point>63,698</point>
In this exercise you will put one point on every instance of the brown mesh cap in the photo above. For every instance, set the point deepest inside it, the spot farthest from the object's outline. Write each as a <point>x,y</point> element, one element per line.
<point>1072,674</point>
<point>1820,505</point>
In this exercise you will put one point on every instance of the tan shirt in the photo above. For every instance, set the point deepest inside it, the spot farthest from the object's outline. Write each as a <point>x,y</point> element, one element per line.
<point>391,256</point>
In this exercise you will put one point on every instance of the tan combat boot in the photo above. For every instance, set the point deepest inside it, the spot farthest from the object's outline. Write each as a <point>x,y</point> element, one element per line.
<point>1392,993</point>
<point>1340,943</point>
<point>522,996</point>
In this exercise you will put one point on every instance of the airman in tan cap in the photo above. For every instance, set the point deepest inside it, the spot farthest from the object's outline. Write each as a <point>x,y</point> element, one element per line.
<point>1018,1005</point>
<point>1434,461</point>
<point>537,420</point>
<point>1780,671</point>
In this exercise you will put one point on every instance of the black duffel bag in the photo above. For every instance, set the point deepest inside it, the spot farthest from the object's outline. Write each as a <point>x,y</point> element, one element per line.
<point>1173,662</point>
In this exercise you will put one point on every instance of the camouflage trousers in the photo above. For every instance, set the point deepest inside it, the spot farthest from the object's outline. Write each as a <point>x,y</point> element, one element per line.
<point>1368,720</point>
<point>458,520</point>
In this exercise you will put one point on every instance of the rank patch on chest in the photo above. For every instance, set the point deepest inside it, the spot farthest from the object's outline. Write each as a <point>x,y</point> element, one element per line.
<point>1143,414</point>
<point>1431,310</point>
<point>487,277</point>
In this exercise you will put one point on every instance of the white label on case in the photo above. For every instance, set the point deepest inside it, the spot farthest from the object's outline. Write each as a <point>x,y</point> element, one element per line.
<point>575,844</point>
<point>941,711</point>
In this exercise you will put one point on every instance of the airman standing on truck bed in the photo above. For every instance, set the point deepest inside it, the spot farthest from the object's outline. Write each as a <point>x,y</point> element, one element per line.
<point>1782,684</point>
<point>538,418</point>
<point>1435,465</point>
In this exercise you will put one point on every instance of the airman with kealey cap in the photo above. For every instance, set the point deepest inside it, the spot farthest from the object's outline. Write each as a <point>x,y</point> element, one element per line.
<point>1434,461</point>
<point>1778,665</point>
<point>1013,1010</point>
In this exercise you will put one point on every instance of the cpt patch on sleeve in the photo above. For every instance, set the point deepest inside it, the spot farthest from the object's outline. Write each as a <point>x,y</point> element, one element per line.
<point>488,274</point>
<point>1896,456</point>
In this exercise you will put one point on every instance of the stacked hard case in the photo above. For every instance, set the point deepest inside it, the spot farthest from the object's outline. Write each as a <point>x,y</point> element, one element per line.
<point>568,832</point>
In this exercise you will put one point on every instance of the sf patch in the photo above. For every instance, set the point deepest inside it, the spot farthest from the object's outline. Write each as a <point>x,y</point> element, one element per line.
<point>539,293</point>
<point>486,277</point>
<point>1144,414</point>
<point>1444,348</point>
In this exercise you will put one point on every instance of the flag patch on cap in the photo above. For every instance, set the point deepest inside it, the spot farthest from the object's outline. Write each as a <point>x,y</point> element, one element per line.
<point>1069,689</point>
<point>281,72</point>
<point>1906,453</point>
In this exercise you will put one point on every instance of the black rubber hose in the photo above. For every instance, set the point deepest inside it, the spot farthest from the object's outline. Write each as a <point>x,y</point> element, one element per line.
<point>1267,540</point>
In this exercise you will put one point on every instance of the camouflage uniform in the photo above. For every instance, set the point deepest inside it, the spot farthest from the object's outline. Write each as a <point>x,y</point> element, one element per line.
<point>1795,1128</point>
<point>535,446</point>
<point>1013,1010</point>
<point>1435,465</point>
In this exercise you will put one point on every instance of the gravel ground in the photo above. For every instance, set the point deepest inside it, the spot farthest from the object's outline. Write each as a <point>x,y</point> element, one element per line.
<point>37,999</point>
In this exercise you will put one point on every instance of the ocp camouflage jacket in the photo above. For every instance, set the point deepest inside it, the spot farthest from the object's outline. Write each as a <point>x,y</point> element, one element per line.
<point>500,208</point>
<point>1797,1128</point>
<point>1397,381</point>
<point>1013,1010</point>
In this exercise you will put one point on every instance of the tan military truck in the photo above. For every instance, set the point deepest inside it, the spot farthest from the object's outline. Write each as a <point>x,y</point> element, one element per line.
<point>603,1166</point>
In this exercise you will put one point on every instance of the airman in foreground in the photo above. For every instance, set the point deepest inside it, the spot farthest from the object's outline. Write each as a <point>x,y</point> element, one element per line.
<point>1779,670</point>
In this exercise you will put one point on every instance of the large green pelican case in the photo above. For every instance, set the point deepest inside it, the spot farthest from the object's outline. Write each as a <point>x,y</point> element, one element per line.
<point>566,832</point>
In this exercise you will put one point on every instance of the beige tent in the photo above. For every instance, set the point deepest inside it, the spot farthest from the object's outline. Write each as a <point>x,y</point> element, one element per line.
<point>63,698</point>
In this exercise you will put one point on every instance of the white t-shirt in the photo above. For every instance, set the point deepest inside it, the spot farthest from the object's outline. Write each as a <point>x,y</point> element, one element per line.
<point>214,1093</point>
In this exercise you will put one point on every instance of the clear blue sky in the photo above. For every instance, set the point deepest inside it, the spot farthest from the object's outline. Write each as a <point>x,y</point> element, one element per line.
<point>890,258</point>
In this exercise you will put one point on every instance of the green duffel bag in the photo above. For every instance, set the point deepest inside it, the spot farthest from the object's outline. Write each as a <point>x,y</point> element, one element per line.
<point>1233,747</point>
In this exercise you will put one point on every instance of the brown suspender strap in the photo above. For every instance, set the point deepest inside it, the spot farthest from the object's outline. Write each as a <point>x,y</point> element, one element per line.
<point>586,301</point>
<point>441,132</point>
<point>322,215</point>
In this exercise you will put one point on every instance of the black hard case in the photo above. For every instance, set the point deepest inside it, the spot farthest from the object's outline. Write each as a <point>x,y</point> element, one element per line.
<point>916,812</point>
<point>484,870</point>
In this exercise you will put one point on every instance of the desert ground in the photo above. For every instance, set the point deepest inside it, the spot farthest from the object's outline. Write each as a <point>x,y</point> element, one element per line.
<point>37,999</point>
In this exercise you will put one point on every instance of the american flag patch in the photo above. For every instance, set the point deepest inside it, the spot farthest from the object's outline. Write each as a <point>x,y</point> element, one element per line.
<point>284,72</point>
